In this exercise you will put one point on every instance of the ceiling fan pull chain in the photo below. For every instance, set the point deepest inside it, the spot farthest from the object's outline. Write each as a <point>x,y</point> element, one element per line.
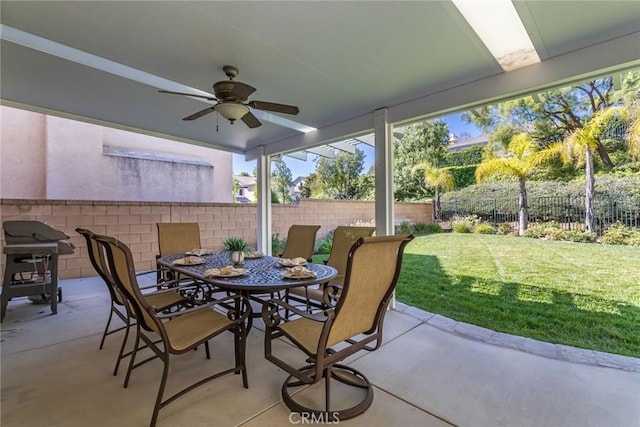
<point>217,121</point>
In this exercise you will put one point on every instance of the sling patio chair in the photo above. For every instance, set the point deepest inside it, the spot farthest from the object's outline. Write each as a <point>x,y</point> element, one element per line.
<point>319,296</point>
<point>175,238</point>
<point>301,240</point>
<point>179,332</point>
<point>162,300</point>
<point>327,338</point>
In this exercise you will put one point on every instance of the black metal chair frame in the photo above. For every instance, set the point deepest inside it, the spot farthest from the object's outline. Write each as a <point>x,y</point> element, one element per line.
<point>150,322</point>
<point>324,361</point>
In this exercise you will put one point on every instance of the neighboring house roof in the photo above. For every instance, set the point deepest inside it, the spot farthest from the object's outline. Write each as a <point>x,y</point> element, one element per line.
<point>246,181</point>
<point>299,180</point>
<point>243,199</point>
<point>456,144</point>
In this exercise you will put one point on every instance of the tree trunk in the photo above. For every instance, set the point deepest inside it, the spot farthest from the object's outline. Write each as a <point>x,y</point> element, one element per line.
<point>437,204</point>
<point>522,208</point>
<point>604,156</point>
<point>589,191</point>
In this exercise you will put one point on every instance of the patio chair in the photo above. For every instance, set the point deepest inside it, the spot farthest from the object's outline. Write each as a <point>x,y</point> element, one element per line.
<point>373,267</point>
<point>301,240</point>
<point>179,332</point>
<point>161,300</point>
<point>175,238</point>
<point>318,296</point>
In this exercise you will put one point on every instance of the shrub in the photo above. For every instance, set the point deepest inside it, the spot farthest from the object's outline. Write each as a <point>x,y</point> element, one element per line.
<point>552,231</point>
<point>461,228</point>
<point>277,244</point>
<point>465,225</point>
<point>484,228</point>
<point>542,230</point>
<point>619,234</point>
<point>576,236</point>
<point>504,228</point>
<point>422,228</point>
<point>405,228</point>
<point>324,244</point>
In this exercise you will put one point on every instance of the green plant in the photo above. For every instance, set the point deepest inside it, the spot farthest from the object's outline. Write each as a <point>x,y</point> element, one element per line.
<point>466,224</point>
<point>619,234</point>
<point>461,228</point>
<point>484,228</point>
<point>235,244</point>
<point>504,228</point>
<point>324,244</point>
<point>576,236</point>
<point>422,228</point>
<point>277,243</point>
<point>405,227</point>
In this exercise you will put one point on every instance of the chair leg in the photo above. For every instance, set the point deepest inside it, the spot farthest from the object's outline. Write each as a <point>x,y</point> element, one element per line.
<point>106,328</point>
<point>133,356</point>
<point>121,354</point>
<point>163,383</point>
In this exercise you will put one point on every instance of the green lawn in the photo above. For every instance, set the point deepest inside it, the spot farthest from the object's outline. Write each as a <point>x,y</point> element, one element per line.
<point>578,294</point>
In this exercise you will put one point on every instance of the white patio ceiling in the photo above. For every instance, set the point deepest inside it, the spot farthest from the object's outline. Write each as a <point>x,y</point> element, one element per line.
<point>337,61</point>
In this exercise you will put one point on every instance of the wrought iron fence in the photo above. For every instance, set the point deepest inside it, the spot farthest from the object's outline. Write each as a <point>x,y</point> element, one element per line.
<point>569,211</point>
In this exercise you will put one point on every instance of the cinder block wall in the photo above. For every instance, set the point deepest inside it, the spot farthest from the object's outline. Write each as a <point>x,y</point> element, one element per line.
<point>135,222</point>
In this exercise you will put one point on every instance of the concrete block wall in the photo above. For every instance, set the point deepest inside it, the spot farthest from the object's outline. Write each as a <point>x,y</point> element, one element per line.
<point>135,222</point>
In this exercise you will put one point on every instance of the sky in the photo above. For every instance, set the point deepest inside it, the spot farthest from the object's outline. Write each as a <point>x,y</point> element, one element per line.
<point>304,168</point>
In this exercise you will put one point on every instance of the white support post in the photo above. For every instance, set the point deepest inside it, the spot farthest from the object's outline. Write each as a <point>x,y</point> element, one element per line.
<point>383,134</point>
<point>384,174</point>
<point>263,205</point>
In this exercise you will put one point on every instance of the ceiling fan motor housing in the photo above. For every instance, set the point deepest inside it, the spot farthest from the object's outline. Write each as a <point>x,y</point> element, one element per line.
<point>223,89</point>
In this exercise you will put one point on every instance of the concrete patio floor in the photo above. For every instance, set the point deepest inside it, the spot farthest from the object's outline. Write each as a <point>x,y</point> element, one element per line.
<point>427,373</point>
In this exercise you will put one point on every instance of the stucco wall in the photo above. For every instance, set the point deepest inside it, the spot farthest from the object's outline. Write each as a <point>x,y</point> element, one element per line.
<point>46,157</point>
<point>135,223</point>
<point>22,162</point>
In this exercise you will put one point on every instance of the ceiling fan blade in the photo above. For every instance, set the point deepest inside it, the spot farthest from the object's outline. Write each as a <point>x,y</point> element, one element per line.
<point>277,108</point>
<point>250,120</point>
<point>188,94</point>
<point>200,113</point>
<point>241,90</point>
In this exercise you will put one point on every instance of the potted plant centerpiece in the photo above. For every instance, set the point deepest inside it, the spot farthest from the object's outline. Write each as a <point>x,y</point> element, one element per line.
<point>237,247</point>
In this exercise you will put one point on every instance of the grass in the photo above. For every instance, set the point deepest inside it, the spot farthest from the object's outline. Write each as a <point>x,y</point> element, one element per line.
<point>579,294</point>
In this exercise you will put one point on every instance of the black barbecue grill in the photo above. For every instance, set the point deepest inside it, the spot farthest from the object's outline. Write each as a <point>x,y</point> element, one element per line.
<point>31,269</point>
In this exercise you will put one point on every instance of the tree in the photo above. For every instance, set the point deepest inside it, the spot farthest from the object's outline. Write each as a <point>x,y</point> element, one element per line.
<point>580,145</point>
<point>550,116</point>
<point>440,179</point>
<point>339,176</point>
<point>282,180</point>
<point>633,132</point>
<point>236,189</point>
<point>421,143</point>
<point>522,157</point>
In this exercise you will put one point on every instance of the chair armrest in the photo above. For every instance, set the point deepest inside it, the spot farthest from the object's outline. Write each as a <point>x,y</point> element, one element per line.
<point>272,307</point>
<point>243,315</point>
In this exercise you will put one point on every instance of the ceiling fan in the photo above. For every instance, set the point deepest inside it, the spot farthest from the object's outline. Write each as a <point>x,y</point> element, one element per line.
<point>231,97</point>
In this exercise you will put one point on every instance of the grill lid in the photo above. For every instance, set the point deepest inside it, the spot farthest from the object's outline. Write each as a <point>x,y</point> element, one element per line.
<point>25,232</point>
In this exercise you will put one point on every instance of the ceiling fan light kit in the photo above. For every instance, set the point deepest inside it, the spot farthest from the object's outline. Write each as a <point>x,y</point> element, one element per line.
<point>232,110</point>
<point>231,97</point>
